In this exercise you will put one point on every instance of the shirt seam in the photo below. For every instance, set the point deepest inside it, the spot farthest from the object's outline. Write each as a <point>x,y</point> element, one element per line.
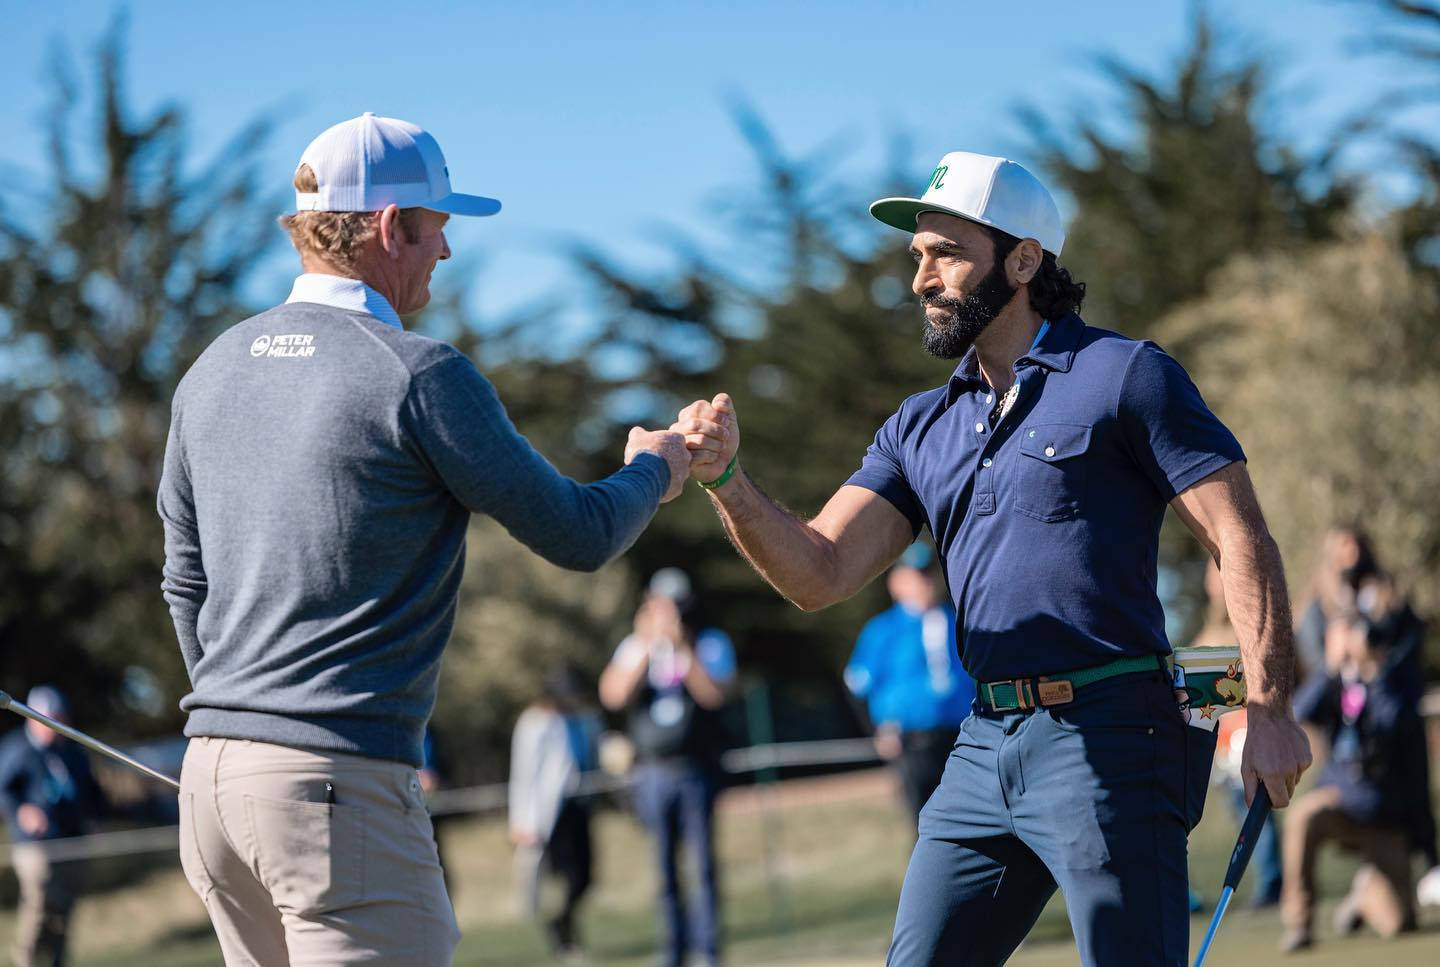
<point>1119,395</point>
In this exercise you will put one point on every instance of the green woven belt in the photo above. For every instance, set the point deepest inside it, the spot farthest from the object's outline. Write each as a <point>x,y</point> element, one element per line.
<point>1021,694</point>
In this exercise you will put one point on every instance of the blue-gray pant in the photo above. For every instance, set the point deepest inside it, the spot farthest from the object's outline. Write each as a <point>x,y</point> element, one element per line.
<point>677,801</point>
<point>1096,796</point>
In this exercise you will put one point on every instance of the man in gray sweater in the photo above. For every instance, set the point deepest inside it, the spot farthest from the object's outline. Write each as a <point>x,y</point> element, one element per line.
<point>321,470</point>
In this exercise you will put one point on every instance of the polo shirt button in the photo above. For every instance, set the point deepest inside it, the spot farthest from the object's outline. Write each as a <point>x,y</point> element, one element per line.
<point>1049,451</point>
<point>986,462</point>
<point>989,398</point>
<point>979,427</point>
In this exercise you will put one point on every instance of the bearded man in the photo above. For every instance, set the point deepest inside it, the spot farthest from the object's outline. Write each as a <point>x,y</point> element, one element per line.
<point>1042,469</point>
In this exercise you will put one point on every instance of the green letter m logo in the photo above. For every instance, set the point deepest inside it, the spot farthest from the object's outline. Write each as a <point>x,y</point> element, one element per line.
<point>937,178</point>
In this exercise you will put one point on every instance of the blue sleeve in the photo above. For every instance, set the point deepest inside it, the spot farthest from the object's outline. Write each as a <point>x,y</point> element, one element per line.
<point>94,803</point>
<point>717,655</point>
<point>463,431</point>
<point>1170,431</point>
<point>863,673</point>
<point>883,472</point>
<point>10,779</point>
<point>182,577</point>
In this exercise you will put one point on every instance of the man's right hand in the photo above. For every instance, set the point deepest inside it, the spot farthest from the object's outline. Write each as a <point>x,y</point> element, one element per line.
<point>32,820</point>
<point>668,446</point>
<point>712,432</point>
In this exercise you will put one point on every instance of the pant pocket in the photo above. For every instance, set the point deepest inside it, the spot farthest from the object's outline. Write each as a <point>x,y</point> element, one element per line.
<point>310,855</point>
<point>1199,757</point>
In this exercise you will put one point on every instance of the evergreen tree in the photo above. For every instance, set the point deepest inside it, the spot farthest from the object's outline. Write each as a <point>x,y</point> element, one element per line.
<point>113,278</point>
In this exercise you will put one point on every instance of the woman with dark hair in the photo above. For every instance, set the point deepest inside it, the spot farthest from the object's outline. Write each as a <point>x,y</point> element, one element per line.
<point>1347,561</point>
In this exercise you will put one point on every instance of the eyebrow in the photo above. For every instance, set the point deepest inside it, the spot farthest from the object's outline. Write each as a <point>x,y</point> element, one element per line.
<point>939,248</point>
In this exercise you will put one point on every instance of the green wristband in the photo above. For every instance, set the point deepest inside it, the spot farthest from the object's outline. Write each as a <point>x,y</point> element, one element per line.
<point>724,477</point>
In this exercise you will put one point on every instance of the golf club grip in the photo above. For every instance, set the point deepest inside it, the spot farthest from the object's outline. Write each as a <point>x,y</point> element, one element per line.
<point>1249,833</point>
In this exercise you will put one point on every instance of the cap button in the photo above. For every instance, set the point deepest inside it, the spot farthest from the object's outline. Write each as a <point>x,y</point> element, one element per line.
<point>368,114</point>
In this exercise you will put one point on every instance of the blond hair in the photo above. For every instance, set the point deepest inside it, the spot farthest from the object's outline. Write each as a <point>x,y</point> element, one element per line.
<point>337,238</point>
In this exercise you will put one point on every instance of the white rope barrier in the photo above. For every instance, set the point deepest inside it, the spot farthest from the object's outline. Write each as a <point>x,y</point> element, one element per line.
<point>492,797</point>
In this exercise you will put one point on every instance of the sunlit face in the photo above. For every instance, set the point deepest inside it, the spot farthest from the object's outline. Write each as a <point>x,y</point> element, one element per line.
<point>43,736</point>
<point>1343,549</point>
<point>959,281</point>
<point>912,588</point>
<point>417,261</point>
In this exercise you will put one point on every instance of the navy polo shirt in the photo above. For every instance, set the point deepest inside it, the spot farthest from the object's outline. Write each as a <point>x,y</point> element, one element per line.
<point>1048,526</point>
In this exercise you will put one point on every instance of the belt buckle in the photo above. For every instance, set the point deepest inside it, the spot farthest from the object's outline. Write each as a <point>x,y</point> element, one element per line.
<point>1055,693</point>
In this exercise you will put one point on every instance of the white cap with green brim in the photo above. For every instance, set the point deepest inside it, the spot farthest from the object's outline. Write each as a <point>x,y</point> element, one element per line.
<point>368,163</point>
<point>981,188</point>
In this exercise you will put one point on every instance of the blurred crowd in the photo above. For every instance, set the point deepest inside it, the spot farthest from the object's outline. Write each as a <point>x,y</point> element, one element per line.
<point>1360,643</point>
<point>1359,647</point>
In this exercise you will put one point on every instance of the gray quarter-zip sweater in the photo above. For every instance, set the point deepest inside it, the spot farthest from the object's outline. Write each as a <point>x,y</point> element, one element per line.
<point>320,472</point>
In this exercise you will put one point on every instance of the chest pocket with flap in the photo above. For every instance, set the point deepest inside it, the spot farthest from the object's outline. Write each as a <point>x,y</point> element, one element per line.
<point>1050,470</point>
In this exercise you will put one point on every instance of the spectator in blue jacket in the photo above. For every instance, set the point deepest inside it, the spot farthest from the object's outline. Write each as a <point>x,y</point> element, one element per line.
<point>47,792</point>
<point>907,668</point>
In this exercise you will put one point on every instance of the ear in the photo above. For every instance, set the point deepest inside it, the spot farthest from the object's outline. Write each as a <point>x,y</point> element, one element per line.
<point>391,234</point>
<point>1024,261</point>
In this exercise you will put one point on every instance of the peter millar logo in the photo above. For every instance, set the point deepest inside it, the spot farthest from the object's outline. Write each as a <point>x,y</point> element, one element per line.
<point>290,346</point>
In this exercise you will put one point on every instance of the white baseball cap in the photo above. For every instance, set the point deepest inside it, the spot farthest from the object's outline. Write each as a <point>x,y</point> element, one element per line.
<point>369,162</point>
<point>991,191</point>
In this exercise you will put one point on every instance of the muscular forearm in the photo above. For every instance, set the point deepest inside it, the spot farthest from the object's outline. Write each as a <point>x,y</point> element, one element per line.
<point>813,564</point>
<point>795,558</point>
<point>1254,582</point>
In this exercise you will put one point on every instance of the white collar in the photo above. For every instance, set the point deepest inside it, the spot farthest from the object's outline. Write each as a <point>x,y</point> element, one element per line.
<point>340,292</point>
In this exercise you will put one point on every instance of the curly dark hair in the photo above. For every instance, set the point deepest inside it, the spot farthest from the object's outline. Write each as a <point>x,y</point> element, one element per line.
<point>1053,293</point>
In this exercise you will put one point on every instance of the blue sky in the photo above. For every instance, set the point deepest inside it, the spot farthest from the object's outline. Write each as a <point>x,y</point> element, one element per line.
<point>596,121</point>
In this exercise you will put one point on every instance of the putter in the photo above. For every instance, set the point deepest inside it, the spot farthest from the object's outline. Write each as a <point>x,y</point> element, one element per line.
<point>20,708</point>
<point>1244,846</point>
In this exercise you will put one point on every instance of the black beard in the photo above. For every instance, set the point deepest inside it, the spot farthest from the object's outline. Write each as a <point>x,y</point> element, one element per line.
<point>969,316</point>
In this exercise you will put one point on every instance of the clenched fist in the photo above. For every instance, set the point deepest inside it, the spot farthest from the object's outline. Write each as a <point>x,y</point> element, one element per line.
<point>669,446</point>
<point>712,433</point>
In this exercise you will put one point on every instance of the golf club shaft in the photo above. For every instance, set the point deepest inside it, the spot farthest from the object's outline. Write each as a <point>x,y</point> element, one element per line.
<point>1239,859</point>
<point>1249,834</point>
<point>20,708</point>
<point>1224,902</point>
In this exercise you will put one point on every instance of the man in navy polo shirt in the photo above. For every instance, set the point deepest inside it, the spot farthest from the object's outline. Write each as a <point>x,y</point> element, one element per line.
<point>1043,469</point>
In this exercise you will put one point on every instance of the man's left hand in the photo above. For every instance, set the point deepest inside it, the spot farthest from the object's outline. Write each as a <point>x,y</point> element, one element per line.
<point>1276,753</point>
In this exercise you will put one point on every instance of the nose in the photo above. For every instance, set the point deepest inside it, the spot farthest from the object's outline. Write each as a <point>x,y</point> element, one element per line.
<point>444,247</point>
<point>925,279</point>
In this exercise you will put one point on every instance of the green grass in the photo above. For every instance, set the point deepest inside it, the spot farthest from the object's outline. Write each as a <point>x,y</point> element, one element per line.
<point>810,878</point>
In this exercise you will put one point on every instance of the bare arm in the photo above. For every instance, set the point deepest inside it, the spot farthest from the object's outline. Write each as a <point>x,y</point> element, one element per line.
<point>706,692</point>
<point>816,564</point>
<point>621,678</point>
<point>813,564</point>
<point>1223,512</point>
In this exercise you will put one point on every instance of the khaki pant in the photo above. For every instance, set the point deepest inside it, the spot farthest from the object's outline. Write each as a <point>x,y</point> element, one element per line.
<point>47,895</point>
<point>293,873</point>
<point>1380,893</point>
